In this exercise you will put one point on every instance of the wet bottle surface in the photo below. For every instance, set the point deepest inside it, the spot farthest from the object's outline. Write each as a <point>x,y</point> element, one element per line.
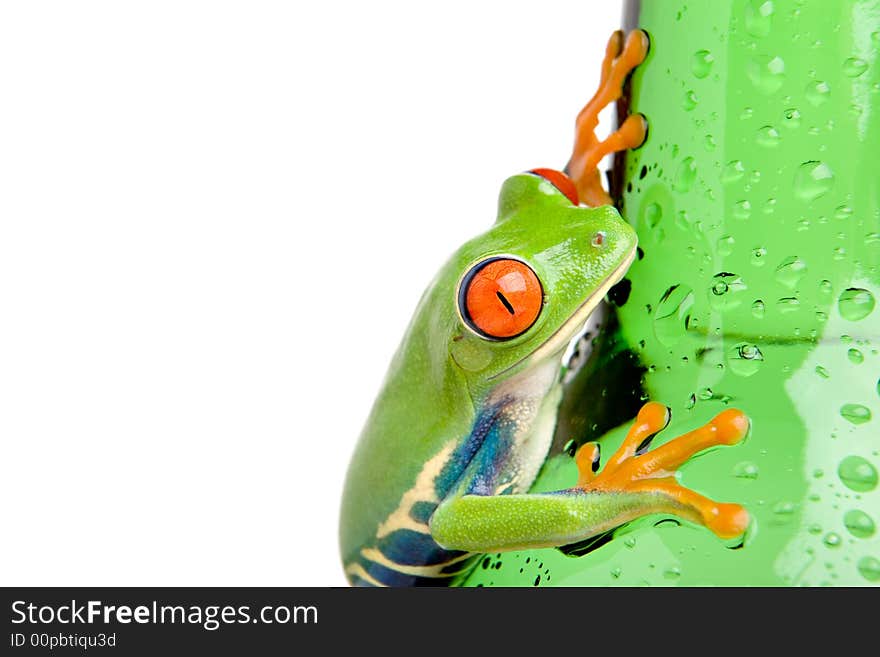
<point>757,203</point>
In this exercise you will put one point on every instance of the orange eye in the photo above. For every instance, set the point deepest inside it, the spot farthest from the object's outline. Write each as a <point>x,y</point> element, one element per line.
<point>501,298</point>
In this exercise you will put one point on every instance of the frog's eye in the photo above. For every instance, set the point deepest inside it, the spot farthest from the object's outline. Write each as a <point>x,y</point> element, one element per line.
<point>500,298</point>
<point>560,181</point>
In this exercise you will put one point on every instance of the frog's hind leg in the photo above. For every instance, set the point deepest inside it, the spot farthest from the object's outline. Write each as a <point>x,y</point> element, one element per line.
<point>620,60</point>
<point>634,470</point>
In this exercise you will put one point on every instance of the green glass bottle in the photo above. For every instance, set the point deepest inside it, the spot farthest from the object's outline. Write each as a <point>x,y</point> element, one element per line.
<point>756,198</point>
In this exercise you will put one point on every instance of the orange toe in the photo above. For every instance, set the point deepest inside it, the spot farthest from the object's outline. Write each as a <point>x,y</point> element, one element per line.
<point>731,426</point>
<point>651,419</point>
<point>730,521</point>
<point>633,470</point>
<point>587,461</point>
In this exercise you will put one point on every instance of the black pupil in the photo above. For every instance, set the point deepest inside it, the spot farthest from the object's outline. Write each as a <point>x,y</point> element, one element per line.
<point>506,303</point>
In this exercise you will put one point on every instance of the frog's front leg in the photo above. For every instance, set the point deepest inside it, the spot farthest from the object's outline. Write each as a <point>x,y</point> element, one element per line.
<point>634,483</point>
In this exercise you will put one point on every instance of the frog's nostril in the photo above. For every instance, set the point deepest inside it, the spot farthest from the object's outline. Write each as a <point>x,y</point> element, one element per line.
<point>598,239</point>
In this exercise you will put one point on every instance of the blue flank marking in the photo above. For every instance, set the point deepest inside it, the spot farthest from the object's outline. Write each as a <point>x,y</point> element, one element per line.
<point>387,576</point>
<point>487,443</point>
<point>482,453</point>
<point>409,548</point>
<point>422,511</point>
<point>486,466</point>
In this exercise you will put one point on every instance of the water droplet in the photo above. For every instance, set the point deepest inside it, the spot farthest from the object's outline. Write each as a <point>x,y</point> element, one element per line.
<point>690,402</point>
<point>783,512</point>
<point>767,136</point>
<point>706,394</point>
<point>857,474</point>
<point>839,253</point>
<point>757,19</point>
<point>790,272</point>
<point>683,220</point>
<point>758,309</point>
<point>869,568</point>
<point>744,359</point>
<point>726,291</point>
<point>616,572</point>
<point>855,413</point>
<point>746,114</point>
<point>812,180</point>
<point>788,304</point>
<point>672,572</point>
<point>759,256</point>
<point>690,101</point>
<point>766,73</point>
<point>685,175</point>
<point>653,214</point>
<point>843,212</point>
<point>853,67</point>
<point>725,245</point>
<point>742,210</point>
<point>630,542</point>
<point>701,63</point>
<point>709,143</point>
<point>815,529</point>
<point>745,470</point>
<point>855,356</point>
<point>792,118</point>
<point>733,171</point>
<point>831,540</point>
<point>859,523</point>
<point>673,314</point>
<point>855,303</point>
<point>818,93</point>
<point>770,205</point>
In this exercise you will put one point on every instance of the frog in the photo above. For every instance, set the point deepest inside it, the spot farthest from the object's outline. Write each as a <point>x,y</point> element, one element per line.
<point>464,420</point>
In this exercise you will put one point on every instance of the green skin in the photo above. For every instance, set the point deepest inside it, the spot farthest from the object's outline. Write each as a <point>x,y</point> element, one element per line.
<point>444,374</point>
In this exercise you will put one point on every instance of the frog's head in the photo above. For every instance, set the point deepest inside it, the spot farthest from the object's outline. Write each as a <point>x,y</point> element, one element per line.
<point>517,295</point>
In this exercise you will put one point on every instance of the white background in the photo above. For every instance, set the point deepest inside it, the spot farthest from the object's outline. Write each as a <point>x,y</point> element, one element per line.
<point>215,221</point>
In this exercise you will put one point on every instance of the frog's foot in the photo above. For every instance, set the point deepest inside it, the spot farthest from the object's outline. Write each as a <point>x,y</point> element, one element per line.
<point>650,475</point>
<point>620,60</point>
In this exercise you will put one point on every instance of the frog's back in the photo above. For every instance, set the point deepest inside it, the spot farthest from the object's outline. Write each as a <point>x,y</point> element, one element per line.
<point>401,462</point>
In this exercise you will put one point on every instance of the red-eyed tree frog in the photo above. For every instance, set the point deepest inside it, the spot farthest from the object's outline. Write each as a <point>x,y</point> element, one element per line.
<point>466,414</point>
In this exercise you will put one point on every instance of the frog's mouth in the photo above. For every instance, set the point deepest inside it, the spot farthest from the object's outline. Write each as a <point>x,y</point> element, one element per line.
<point>573,327</point>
